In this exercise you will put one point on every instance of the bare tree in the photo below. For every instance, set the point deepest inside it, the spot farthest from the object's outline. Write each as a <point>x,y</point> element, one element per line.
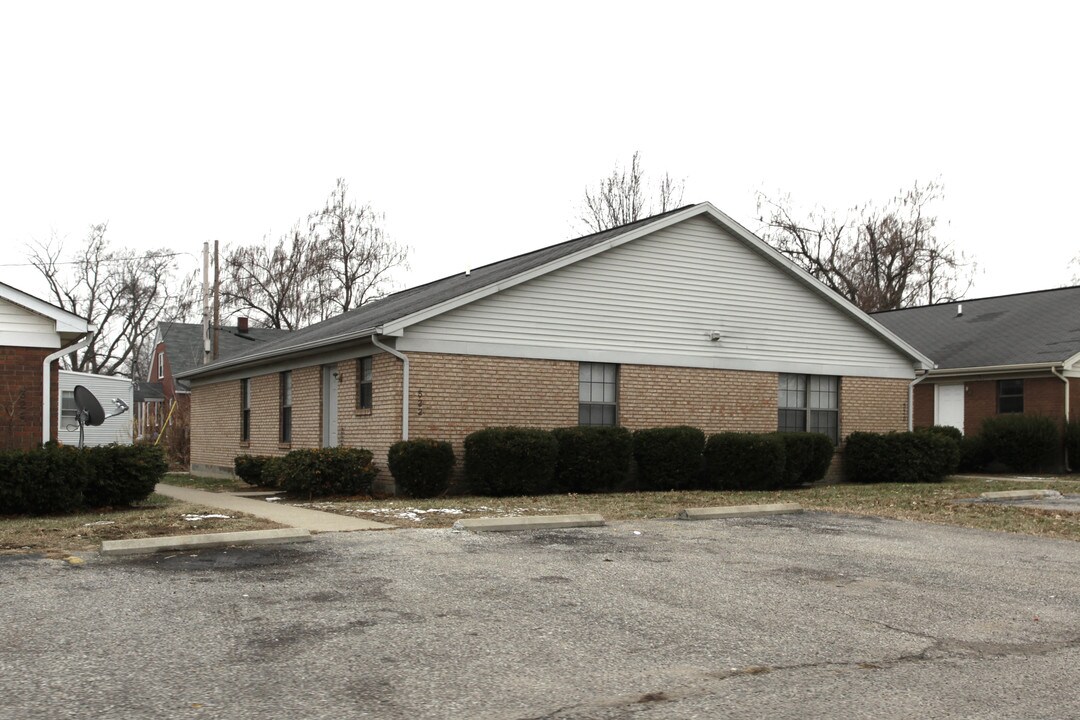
<point>879,257</point>
<point>623,197</point>
<point>1075,264</point>
<point>358,255</point>
<point>123,292</point>
<point>336,260</point>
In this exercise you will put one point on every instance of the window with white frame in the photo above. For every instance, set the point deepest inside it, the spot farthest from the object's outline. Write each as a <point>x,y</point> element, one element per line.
<point>160,365</point>
<point>245,409</point>
<point>68,410</point>
<point>285,432</point>
<point>809,403</point>
<point>597,394</point>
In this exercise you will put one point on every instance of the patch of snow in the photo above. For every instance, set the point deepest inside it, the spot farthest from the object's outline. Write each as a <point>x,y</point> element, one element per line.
<point>196,518</point>
<point>100,522</point>
<point>273,499</point>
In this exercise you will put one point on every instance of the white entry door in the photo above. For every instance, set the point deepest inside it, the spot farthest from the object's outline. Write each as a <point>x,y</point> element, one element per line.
<point>949,405</point>
<point>329,406</point>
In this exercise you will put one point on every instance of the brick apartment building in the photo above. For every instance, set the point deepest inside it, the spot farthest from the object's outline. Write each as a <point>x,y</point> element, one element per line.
<point>684,317</point>
<point>32,336</point>
<point>998,355</point>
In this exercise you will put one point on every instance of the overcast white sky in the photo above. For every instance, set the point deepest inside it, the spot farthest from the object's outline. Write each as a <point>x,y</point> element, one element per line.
<point>475,127</point>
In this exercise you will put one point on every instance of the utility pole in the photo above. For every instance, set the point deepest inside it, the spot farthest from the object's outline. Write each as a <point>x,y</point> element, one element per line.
<point>206,301</point>
<point>217,298</point>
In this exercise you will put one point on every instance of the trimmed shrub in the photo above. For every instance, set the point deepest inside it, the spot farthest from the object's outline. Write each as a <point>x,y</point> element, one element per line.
<point>42,481</point>
<point>325,471</point>
<point>899,457</point>
<point>252,470</point>
<point>1072,444</point>
<point>974,454</point>
<point>510,461</point>
<point>592,459</point>
<point>944,430</point>
<point>669,458</point>
<point>744,461</point>
<point>421,467</point>
<point>1023,443</point>
<point>808,456</point>
<point>122,474</point>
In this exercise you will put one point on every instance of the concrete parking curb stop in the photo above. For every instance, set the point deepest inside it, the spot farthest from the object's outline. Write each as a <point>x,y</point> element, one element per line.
<point>145,546</point>
<point>1020,494</point>
<point>734,511</point>
<point>536,522</point>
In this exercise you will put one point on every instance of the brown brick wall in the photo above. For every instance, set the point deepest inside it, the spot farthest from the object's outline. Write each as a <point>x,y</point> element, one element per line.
<point>1042,396</point>
<point>713,400</point>
<point>454,395</point>
<point>380,427</point>
<point>1074,399</point>
<point>20,397</point>
<point>924,405</point>
<point>872,405</point>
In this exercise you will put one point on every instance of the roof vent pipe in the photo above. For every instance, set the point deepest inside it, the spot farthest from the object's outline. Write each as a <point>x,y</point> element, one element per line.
<point>959,309</point>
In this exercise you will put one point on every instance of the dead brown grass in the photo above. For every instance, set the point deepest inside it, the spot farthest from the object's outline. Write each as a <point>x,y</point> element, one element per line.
<point>157,516</point>
<point>932,503</point>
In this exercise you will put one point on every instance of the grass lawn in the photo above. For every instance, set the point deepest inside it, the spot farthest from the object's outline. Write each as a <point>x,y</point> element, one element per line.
<point>922,502</point>
<point>59,535</point>
<point>210,484</point>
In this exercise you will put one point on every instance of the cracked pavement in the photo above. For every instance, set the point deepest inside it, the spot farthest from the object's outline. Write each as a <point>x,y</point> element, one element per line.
<point>811,615</point>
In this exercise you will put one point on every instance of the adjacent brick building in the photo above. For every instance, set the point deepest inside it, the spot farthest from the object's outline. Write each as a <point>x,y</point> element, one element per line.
<point>32,332</point>
<point>682,318</point>
<point>998,355</point>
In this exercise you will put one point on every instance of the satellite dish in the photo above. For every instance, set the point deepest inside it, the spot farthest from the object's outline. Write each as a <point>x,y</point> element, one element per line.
<point>90,412</point>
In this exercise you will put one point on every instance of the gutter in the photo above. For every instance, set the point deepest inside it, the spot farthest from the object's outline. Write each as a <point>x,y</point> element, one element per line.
<point>404,383</point>
<point>911,399</point>
<point>994,369</point>
<point>46,377</point>
<point>1065,380</point>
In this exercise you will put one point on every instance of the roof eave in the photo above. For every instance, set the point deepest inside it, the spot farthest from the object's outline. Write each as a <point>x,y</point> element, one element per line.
<point>996,369</point>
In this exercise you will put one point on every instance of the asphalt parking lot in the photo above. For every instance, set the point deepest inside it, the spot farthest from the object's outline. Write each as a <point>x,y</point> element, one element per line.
<point>799,616</point>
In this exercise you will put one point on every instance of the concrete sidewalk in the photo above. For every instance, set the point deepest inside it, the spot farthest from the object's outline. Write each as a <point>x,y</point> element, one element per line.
<point>312,520</point>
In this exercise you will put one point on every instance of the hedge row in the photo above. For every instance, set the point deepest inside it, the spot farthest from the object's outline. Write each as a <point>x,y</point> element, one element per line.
<point>901,457</point>
<point>311,473</point>
<point>520,461</point>
<point>1020,443</point>
<point>61,479</point>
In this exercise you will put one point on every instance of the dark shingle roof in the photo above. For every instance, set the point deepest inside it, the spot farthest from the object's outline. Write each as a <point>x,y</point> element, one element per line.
<point>184,344</point>
<point>1034,327</point>
<point>407,302</point>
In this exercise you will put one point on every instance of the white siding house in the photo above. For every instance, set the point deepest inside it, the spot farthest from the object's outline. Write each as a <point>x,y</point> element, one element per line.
<point>105,388</point>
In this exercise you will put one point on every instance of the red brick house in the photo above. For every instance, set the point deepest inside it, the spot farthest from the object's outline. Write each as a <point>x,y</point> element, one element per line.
<point>34,335</point>
<point>684,317</point>
<point>1006,354</point>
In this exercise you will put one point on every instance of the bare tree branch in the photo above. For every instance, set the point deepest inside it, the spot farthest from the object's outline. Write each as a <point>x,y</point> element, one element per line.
<point>880,258</point>
<point>622,198</point>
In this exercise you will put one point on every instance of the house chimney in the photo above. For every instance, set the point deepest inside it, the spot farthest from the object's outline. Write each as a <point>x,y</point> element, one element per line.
<point>242,325</point>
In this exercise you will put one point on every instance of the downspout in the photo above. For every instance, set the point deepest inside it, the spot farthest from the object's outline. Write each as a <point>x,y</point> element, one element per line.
<point>46,377</point>
<point>911,399</point>
<point>404,383</point>
<point>1065,380</point>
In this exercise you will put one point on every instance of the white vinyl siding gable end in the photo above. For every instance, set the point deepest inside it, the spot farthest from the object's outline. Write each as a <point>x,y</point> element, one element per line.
<point>20,327</point>
<point>655,300</point>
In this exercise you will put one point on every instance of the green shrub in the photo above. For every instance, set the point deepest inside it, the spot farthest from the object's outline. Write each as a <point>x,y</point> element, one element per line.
<point>592,459</point>
<point>421,467</point>
<point>744,461</point>
<point>669,458</point>
<point>1072,444</point>
<point>42,481</point>
<point>119,475</point>
<point>945,430</point>
<point>325,471</point>
<point>1023,443</point>
<point>510,461</point>
<point>808,456</point>
<point>899,457</point>
<point>974,454</point>
<point>252,470</point>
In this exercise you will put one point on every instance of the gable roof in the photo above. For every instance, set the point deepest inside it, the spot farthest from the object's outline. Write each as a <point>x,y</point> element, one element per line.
<point>184,344</point>
<point>1041,327</point>
<point>392,314</point>
<point>66,322</point>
